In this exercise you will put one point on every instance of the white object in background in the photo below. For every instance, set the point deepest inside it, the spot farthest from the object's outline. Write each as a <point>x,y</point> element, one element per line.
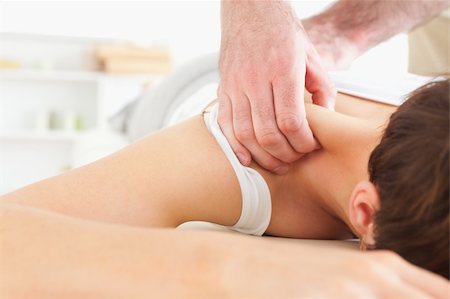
<point>193,105</point>
<point>385,89</point>
<point>42,121</point>
<point>43,64</point>
<point>56,120</point>
<point>69,121</point>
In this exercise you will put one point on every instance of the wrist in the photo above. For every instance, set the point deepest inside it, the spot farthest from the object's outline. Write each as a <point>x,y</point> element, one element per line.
<point>235,13</point>
<point>336,46</point>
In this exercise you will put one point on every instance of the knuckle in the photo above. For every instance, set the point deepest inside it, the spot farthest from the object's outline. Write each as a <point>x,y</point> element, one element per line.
<point>269,138</point>
<point>244,134</point>
<point>268,163</point>
<point>291,157</point>
<point>307,147</point>
<point>290,122</point>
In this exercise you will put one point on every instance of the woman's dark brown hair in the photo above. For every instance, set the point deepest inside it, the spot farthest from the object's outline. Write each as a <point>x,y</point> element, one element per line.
<point>410,170</point>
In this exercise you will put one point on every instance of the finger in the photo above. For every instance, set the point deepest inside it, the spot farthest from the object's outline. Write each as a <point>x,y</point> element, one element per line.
<point>430,283</point>
<point>290,114</point>
<point>225,120</point>
<point>244,132</point>
<point>318,83</point>
<point>267,133</point>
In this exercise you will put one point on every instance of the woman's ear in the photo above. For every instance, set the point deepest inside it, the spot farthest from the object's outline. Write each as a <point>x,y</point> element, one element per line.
<point>364,202</point>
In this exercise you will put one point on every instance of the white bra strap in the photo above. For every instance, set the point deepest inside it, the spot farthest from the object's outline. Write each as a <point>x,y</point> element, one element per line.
<point>256,200</point>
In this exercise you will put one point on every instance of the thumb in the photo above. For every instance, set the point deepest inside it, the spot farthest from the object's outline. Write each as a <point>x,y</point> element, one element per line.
<point>318,83</point>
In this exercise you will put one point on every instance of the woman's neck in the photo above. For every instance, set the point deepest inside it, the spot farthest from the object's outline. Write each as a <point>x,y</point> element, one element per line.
<point>347,144</point>
<point>342,162</point>
<point>321,183</point>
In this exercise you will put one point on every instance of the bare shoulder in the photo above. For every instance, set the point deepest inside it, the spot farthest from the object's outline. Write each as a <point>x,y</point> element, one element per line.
<point>359,107</point>
<point>362,108</point>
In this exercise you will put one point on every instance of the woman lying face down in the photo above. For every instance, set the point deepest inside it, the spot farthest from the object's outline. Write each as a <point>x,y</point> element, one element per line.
<point>181,174</point>
<point>405,207</point>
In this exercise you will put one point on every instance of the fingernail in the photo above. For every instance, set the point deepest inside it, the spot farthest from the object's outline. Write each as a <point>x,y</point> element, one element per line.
<point>243,159</point>
<point>281,169</point>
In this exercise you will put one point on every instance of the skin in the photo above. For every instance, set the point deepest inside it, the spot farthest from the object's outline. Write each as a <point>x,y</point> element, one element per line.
<point>265,65</point>
<point>135,187</point>
<point>79,258</point>
<point>267,60</point>
<point>301,208</point>
<point>371,22</point>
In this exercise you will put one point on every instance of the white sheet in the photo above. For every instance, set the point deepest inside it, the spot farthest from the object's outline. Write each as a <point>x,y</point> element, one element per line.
<point>390,89</point>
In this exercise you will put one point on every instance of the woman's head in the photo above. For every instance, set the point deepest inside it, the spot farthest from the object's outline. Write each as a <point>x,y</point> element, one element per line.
<point>405,206</point>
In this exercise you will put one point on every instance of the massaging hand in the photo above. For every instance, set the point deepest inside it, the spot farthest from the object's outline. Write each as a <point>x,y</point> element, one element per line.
<point>266,62</point>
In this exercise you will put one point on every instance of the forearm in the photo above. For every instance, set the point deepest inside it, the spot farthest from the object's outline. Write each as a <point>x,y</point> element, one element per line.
<point>46,255</point>
<point>176,175</point>
<point>236,13</point>
<point>247,18</point>
<point>360,25</point>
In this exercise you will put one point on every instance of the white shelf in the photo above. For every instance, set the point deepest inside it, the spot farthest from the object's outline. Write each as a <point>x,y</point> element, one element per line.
<point>67,136</point>
<point>50,75</point>
<point>58,75</point>
<point>66,75</point>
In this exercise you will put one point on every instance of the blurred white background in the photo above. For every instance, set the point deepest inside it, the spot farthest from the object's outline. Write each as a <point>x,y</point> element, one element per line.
<point>77,92</point>
<point>189,28</point>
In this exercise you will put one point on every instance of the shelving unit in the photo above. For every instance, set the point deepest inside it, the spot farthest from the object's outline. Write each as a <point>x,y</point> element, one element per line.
<point>93,94</point>
<point>67,75</point>
<point>51,75</point>
<point>40,135</point>
<point>29,153</point>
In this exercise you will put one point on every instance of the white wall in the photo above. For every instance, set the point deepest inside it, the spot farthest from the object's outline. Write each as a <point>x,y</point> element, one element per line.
<point>190,28</point>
